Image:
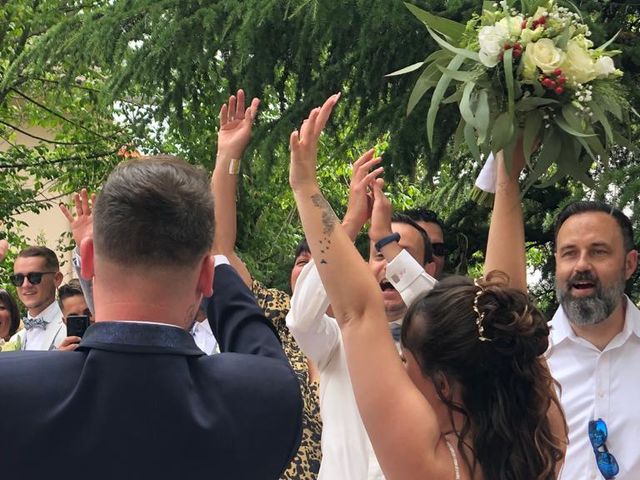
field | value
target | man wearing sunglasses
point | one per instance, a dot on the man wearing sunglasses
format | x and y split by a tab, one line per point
595	342
36	276
431	223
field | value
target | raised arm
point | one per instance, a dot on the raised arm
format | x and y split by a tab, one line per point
4	248
233	137
405	444
505	246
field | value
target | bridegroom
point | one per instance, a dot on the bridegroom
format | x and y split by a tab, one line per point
138	399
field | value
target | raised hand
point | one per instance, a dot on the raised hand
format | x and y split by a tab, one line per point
304	145
69	344
235	126
4	248
82	223
360	197
380	212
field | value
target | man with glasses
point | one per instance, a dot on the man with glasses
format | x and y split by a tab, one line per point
431	223
595	342
36	275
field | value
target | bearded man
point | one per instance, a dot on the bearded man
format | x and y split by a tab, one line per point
595	341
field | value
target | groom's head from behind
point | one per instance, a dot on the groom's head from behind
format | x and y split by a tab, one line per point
152	236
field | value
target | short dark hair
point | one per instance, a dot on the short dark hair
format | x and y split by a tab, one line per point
584	206
154	211
423	214
303	247
71	289
428	250
10	304
50	257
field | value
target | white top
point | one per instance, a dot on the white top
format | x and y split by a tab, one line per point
599	384
346	450
49	337
203	336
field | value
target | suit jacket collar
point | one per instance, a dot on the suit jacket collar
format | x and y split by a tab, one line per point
139	338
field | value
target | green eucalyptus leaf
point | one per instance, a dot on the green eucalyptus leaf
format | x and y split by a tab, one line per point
608	42
565	126
449	28
458	51
438	95
508	76
465	105
453	98
527	104
402	71
598	112
426	81
551	145
483	115
470	138
458	137
501	132
466	76
532	127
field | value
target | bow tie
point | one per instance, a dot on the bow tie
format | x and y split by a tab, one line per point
37	322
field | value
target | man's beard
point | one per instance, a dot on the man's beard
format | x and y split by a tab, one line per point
594	309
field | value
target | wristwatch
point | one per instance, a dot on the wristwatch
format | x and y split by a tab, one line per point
394	237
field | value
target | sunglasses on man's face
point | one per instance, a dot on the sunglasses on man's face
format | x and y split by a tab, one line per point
439	250
605	460
34	278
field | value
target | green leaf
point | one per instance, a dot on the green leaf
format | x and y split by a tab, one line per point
404	70
488	6
608	42
458	137
565	126
531	103
426	81
438	95
483	115
598	112
501	132
532	127
551	145
458	51
449	28
453	98
465	105
611	105
459	76
563	39
470	138
508	76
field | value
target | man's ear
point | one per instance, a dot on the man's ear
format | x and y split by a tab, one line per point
57	279
86	254
205	280
631	263
430	268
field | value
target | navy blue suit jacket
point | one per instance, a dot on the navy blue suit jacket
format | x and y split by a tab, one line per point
138	401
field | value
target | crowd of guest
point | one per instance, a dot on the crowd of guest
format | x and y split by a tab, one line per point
165	357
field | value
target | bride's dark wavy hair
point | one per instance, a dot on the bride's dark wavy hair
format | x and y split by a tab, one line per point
506	388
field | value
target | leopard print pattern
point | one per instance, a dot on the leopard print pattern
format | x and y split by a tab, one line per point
306	463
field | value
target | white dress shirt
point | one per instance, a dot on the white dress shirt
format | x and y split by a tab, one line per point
599	384
203	336
46	338
347	453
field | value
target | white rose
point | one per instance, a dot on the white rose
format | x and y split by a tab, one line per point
513	25
604	67
578	66
544	55
492	40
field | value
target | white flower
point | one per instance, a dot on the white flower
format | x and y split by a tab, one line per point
529	35
604	66
544	55
578	66
492	40
512	24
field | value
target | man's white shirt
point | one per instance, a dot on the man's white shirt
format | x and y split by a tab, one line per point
46	338
347	453
599	384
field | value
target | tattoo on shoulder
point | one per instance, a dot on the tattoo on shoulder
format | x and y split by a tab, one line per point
329	221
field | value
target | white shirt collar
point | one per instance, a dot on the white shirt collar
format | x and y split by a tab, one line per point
561	326
48	314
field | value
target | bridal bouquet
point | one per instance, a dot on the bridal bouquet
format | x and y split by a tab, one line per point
529	72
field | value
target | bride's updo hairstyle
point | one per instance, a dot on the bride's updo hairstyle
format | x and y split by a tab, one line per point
489	339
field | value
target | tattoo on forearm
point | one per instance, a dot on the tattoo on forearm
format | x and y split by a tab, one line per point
329	221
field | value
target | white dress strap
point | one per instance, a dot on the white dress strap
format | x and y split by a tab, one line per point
456	466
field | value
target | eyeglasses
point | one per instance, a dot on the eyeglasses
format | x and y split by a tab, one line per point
34	278
439	250
607	463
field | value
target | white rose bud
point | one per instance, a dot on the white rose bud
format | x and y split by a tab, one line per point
513	25
604	66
